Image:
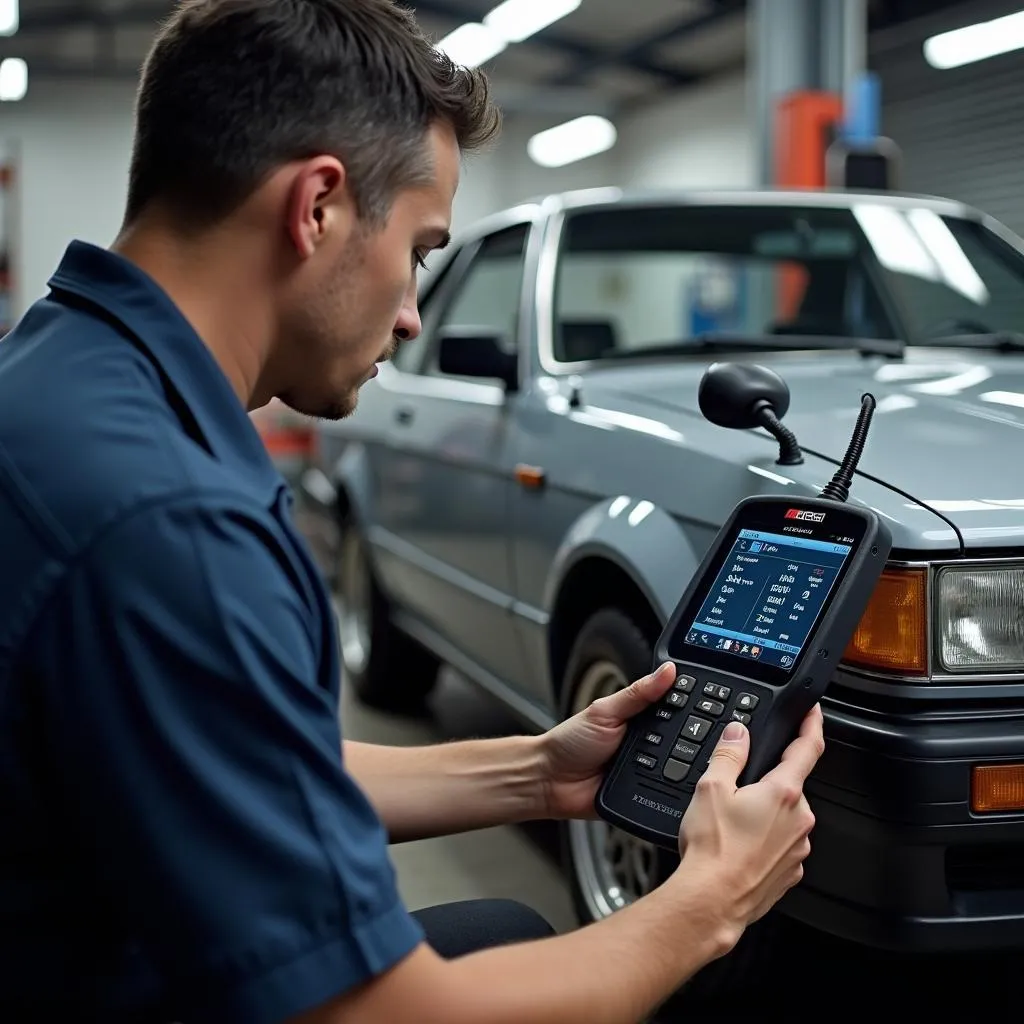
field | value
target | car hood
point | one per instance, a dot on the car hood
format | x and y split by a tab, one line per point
948	427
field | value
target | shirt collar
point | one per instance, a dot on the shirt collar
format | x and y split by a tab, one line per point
142	308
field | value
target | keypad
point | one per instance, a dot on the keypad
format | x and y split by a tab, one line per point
697	710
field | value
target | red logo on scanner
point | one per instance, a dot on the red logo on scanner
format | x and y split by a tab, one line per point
807	514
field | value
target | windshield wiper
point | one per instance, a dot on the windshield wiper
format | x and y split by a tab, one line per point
996	341
715	341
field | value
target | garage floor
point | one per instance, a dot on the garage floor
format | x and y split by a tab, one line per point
521	863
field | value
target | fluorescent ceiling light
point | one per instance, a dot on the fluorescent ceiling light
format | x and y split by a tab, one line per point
572	141
976	42
13	79
516	20
471	45
9	17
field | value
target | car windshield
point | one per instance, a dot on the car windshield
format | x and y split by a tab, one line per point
635	280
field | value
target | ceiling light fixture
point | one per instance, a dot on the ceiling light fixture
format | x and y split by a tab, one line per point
471	45
975	42
516	20
575	140
13	79
9	17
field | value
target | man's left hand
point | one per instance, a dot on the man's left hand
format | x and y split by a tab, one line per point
576	751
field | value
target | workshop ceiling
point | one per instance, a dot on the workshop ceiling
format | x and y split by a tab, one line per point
606	56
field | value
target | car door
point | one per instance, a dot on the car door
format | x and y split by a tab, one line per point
446	478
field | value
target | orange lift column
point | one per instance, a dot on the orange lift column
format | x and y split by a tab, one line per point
805	125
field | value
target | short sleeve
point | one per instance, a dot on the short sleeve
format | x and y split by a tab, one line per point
202	767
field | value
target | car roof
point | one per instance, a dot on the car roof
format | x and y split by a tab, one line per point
827	198
553	203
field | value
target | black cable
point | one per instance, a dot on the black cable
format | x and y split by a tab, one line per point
838	488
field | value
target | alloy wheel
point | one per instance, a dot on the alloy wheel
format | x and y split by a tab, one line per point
354	596
612	867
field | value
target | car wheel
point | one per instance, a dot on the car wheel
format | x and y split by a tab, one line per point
386	668
607	868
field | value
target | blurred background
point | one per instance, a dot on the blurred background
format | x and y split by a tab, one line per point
688	87
916	95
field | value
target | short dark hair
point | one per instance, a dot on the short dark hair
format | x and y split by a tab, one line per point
233	89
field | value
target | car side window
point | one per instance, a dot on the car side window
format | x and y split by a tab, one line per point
488	295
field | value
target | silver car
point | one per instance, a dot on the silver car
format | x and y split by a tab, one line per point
525	492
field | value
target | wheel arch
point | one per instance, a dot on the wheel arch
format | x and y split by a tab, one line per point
631	556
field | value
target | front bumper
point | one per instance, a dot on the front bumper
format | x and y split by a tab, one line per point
899	861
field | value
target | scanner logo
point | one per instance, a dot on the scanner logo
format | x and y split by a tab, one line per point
657	805
807	514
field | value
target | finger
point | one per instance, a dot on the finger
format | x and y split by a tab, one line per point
730	754
641	693
800	757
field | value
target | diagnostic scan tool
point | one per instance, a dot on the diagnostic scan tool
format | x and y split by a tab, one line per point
760	629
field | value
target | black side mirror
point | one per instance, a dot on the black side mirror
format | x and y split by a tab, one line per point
743	395
477	352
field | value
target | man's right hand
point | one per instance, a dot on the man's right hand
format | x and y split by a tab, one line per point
752	840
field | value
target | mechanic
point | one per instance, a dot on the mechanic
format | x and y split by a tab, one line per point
186	838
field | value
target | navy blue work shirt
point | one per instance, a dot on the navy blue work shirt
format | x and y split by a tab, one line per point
179	840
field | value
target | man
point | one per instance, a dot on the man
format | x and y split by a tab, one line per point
184	839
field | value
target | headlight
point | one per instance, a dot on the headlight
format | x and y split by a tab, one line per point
979	617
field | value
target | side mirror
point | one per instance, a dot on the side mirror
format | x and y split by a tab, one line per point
743	395
477	352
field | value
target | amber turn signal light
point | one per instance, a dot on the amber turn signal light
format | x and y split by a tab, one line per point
997	787
892	635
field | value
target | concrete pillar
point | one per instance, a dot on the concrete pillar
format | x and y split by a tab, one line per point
800	44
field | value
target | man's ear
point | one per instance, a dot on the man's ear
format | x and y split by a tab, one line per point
319	204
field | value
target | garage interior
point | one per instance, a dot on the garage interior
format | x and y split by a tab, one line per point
672	95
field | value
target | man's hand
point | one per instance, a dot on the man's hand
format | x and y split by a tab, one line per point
756	835
577	750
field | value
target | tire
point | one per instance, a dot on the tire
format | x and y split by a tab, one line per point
387	669
607	869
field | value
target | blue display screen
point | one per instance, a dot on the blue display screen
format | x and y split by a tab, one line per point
767	597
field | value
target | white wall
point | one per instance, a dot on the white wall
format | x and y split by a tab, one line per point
74	145
75	142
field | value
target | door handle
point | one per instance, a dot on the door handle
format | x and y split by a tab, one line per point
404	415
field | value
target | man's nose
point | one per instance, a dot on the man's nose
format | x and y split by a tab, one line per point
408	324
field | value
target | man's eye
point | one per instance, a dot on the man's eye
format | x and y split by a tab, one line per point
420	259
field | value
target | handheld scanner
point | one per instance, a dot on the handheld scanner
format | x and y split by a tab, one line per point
756	639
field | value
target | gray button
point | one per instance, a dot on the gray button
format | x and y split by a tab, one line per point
685	751
675	771
746	702
685	683
696	728
646	760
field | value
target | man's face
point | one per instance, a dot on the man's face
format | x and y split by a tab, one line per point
357	301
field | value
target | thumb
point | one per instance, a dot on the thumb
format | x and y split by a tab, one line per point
730	753
641	693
